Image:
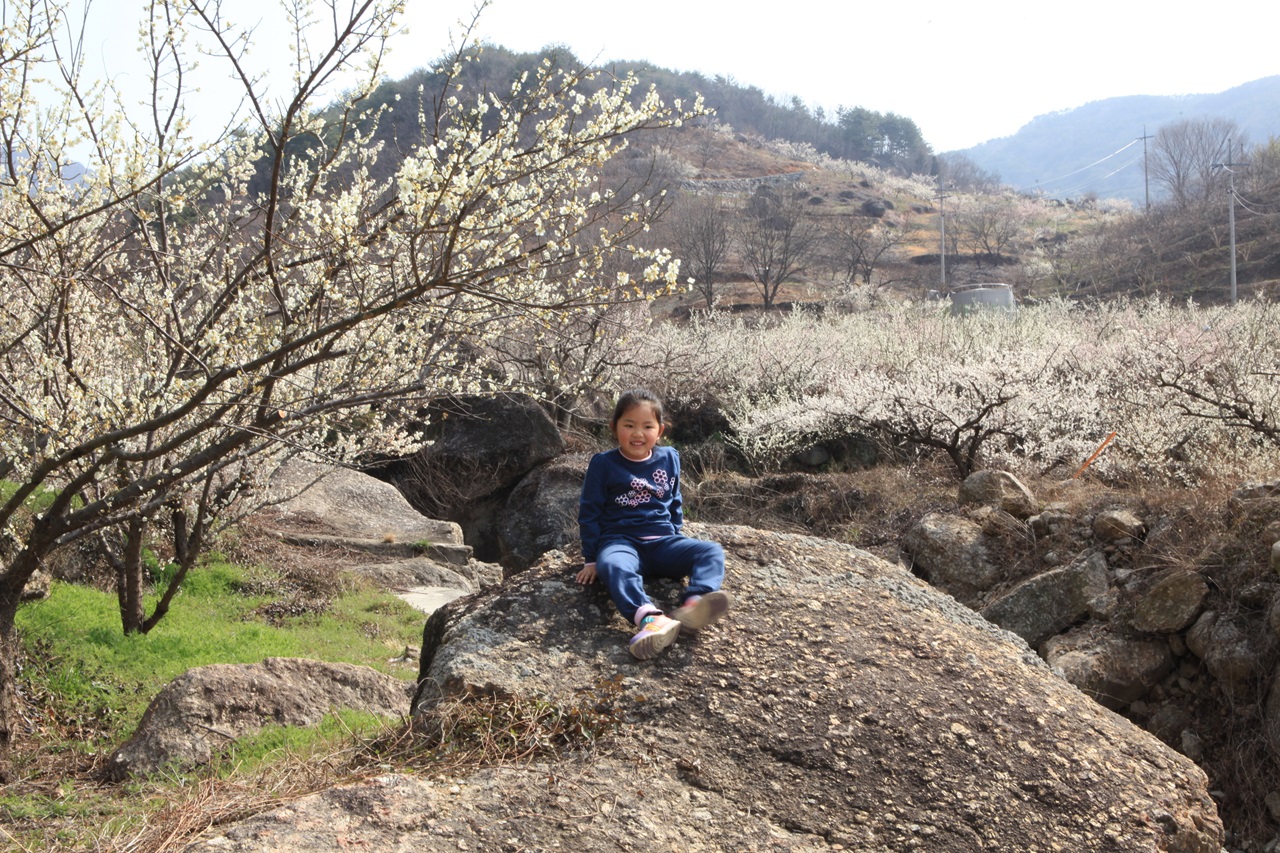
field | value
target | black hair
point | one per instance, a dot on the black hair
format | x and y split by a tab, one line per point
635	397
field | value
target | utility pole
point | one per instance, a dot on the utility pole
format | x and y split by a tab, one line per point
1146	179
942	228
1231	213
1231	220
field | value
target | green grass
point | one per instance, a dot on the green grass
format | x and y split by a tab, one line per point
274	744
87	661
37	502
91	684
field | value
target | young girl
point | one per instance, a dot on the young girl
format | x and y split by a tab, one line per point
630	517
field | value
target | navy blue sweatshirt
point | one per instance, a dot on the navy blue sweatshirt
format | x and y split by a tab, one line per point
637	499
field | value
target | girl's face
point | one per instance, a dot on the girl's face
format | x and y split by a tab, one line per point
637	431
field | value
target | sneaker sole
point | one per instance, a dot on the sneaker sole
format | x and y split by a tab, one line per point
653	642
708	609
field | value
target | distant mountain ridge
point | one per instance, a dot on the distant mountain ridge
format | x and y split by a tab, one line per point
1097	148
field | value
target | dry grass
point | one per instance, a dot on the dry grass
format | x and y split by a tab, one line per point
163	813
484	730
872	508
167	812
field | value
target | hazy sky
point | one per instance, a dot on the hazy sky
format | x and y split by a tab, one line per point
965	72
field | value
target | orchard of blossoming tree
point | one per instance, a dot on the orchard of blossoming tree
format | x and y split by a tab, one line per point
1189	392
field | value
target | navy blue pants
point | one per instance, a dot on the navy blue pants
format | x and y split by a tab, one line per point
624	563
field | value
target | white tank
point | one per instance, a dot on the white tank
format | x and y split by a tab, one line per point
972	297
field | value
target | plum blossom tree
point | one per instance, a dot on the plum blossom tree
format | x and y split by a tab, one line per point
187	306
1223	372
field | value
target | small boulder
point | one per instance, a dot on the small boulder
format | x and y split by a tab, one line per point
37	587
1257	491
1231	650
420	571
1271	532
201	711
1054	520
1171	604
952	553
1118	526
1114	670
998	489
1256	501
814	456
1050	602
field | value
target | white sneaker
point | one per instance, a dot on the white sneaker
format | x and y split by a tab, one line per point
656	633
699	611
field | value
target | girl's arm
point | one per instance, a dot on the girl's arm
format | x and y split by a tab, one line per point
677	500
590	507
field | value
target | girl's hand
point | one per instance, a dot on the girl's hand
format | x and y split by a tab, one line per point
587	574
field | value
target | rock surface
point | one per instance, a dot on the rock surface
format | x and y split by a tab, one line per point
199	713
353	506
999	489
1113	670
1171	604
1048	603
339	510
1118	525
541	513
842	704
481	447
952	553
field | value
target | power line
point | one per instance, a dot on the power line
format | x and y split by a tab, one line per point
1240	200
1118	169
1091	165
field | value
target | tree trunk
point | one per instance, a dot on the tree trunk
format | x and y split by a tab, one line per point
129	579
12	582
8	690
188	543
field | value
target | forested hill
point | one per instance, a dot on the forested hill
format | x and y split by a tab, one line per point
1096	149
888	140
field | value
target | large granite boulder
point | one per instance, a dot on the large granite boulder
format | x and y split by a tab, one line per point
842	704
480	448
541	513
